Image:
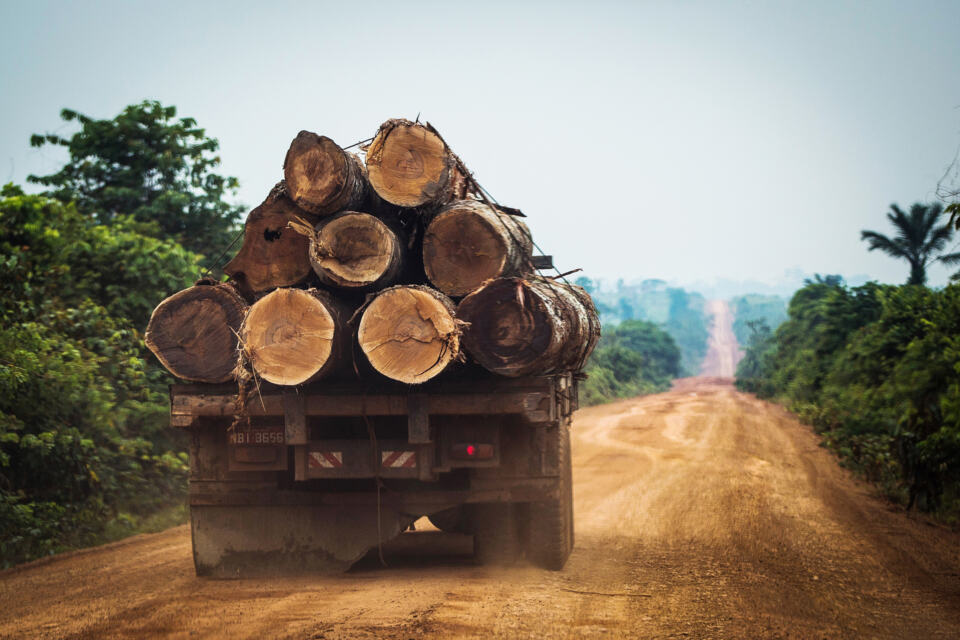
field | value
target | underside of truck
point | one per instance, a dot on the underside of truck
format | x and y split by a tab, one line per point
311	478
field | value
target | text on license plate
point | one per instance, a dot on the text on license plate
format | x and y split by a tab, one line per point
259	436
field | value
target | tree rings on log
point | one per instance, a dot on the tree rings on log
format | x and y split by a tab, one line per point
356	251
321	177
295	336
468	242
272	255
517	327
409	165
409	334
194	332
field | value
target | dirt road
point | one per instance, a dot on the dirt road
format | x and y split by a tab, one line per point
700	513
723	352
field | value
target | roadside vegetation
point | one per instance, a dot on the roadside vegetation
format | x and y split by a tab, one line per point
85	452
876	369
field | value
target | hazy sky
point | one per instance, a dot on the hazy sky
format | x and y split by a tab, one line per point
687	141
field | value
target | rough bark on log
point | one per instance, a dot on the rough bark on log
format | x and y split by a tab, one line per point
193	332
295	336
411	166
409	333
518	327
356	252
272	255
321	177
468	242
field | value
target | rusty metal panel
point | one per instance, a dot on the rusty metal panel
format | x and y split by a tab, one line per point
294	418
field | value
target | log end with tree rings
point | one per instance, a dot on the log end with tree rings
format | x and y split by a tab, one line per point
295	336
517	327
194	332
272	255
409	333
409	165
468	242
356	251
321	177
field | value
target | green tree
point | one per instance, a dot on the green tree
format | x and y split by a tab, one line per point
919	239
147	164
84	442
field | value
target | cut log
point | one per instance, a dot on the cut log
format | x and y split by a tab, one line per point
272	255
518	327
468	242
321	177
194	332
409	334
410	165
356	252
295	336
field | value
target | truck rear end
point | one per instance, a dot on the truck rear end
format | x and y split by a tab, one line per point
313	477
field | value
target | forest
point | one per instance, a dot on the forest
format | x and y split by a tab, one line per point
86	455
876	368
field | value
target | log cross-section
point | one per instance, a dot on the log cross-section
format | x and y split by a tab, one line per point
469	242
323	178
411	166
194	332
356	252
272	255
292	336
409	334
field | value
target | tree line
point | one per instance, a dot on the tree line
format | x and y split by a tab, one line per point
876	369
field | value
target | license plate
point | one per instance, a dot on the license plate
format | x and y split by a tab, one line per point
260	436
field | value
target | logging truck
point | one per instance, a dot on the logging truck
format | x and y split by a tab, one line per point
316	476
385	348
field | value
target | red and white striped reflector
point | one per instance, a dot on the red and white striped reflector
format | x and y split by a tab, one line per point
326	459
398	459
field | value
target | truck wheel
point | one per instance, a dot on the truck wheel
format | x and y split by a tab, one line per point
452	520
549	524
496	536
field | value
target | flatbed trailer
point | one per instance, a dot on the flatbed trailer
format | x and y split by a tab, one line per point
313	477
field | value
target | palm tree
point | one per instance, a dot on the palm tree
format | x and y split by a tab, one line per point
918	240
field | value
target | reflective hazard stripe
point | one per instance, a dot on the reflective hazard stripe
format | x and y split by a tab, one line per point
326	459
398	459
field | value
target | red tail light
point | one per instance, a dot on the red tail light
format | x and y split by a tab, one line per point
471	451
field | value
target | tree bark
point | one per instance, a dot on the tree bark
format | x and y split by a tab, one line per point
321	177
295	336
468	242
272	255
409	333
356	252
518	327
193	332
409	165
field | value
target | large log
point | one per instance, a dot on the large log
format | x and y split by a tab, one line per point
295	336
409	333
468	242
323	178
194	332
272	255
518	327
409	165
356	252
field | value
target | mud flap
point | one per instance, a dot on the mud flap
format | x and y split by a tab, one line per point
249	541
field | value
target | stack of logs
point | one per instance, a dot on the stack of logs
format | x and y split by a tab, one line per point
399	257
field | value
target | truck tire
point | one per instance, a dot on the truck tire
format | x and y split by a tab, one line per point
549	524
496	535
